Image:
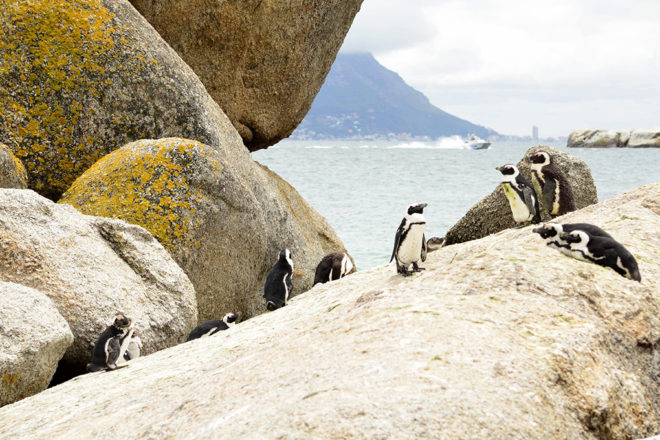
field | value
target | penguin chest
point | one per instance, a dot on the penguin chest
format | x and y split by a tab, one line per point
518	207
410	248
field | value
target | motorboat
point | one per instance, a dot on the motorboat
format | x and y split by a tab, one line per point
476	143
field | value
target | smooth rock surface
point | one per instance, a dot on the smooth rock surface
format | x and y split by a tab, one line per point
92	268
614	139
12	171
493	213
500	338
223	218
33	339
262	61
81	78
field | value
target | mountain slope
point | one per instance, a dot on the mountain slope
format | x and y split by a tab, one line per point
361	98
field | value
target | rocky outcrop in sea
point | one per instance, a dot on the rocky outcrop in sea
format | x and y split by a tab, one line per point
614	139
499	338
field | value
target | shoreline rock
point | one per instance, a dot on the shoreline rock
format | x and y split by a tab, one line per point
500	337
614	139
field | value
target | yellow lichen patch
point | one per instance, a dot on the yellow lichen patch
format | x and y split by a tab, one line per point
145	183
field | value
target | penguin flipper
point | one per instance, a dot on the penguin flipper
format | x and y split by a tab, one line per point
113	352
530	201
424	248
397	238
549	188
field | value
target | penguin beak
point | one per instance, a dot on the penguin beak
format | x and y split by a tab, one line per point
538	230
565	236
499	169
424	205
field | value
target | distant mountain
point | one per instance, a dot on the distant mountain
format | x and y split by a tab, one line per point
363	99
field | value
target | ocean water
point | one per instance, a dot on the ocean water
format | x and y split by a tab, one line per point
363	188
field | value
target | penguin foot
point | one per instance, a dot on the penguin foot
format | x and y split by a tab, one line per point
403	271
416	268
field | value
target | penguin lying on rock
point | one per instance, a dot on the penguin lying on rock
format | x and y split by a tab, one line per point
332	267
409	241
520	194
278	285
208	328
551	232
434	243
113	344
604	251
555	190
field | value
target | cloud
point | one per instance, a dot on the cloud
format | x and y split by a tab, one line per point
495	62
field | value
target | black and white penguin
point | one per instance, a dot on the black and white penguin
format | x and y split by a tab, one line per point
552	185
107	350
604	251
332	267
434	243
409	241
278	285
208	328
551	232
133	347
520	194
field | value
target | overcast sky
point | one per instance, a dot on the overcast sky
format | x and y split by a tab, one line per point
511	64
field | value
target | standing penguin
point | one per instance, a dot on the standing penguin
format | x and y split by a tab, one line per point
551	233
134	346
554	188
107	349
208	328
604	251
520	194
278	285
332	267
409	241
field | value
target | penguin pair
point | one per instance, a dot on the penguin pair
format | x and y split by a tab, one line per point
116	345
552	185
520	194
332	267
279	285
208	328
409	242
590	243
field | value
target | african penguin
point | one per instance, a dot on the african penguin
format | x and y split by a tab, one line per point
520	194
134	347
434	243
208	328
409	241
550	232
278	285
553	185
604	251
332	267
107	349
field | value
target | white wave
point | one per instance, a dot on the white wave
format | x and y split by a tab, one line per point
318	147
447	143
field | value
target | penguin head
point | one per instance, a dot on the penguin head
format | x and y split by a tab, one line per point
548	230
230	319
285	258
416	208
122	321
434	243
575	237
540	159
509	172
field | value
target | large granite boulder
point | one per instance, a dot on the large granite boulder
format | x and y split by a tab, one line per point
493	213
81	78
222	217
33	339
262	61
614	139
92	268
12	171
499	338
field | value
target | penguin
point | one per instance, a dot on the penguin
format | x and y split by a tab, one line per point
278	285
208	328
551	232
134	347
107	350
409	242
520	194
332	267
434	243
552	185
604	251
